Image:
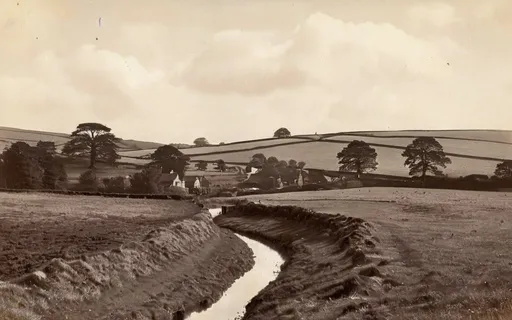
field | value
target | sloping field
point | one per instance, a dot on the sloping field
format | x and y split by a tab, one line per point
485	149
447	253
485	135
322	155
243	145
471	151
11	135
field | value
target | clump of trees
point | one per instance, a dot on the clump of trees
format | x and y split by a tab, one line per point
202	165
221	165
504	170
201	142
169	158
32	167
282	133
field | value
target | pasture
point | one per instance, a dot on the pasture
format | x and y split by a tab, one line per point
471	152
449	250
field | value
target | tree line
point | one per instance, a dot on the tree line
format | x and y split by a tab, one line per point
41	167
424	156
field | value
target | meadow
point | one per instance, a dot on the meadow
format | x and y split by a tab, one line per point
471	152
448	251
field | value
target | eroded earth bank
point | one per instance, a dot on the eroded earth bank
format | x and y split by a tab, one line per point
165	264
332	268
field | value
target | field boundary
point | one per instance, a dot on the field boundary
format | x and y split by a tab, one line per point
457	155
101	194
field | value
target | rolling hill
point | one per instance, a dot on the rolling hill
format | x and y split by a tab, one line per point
10	135
471	151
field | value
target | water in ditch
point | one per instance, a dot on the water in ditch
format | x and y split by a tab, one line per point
232	304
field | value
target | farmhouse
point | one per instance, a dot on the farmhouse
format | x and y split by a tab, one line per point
196	182
171	179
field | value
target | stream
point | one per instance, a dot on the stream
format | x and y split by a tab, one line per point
232	304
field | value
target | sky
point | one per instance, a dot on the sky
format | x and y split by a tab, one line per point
171	71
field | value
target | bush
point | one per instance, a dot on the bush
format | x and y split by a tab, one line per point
88	181
146	181
114	185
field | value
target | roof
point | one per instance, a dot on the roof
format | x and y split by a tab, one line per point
168	177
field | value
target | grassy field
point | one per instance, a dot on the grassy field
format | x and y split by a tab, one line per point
10	135
449	249
471	151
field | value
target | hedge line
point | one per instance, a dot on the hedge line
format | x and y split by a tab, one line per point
102	194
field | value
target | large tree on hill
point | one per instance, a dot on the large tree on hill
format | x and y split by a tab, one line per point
425	155
95	141
504	170
169	158
282	133
358	156
201	142
301	165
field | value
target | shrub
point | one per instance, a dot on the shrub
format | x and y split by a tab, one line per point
88	181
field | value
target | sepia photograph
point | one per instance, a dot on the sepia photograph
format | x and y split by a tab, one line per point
255	160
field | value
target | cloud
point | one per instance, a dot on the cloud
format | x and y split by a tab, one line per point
438	14
154	80
318	52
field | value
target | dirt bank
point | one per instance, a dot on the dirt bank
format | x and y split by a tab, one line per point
332	266
179	266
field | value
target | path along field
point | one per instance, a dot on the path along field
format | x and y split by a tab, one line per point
94	258
450	250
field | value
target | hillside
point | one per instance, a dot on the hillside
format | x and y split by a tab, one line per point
471	151
10	135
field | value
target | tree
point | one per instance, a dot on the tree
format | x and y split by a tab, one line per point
221	165
272	161
282	164
88	180
54	172
146	181
94	140
47	147
292	164
424	155
358	156
282	133
201	142
222	143
21	167
504	170
258	160
301	165
169	158
202	165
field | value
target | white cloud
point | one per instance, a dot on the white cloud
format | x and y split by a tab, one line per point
438	14
155	82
